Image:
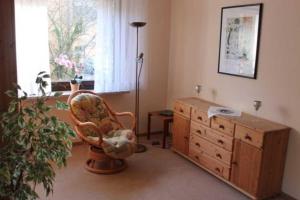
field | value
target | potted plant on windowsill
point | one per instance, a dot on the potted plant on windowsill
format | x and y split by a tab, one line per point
75	83
33	142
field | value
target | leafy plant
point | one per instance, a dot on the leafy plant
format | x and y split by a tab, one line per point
77	79
33	143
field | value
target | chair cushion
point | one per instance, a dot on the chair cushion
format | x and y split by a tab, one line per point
91	108
119	144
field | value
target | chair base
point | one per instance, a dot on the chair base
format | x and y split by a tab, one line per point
99	163
140	148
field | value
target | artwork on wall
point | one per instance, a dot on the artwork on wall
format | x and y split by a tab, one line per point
239	40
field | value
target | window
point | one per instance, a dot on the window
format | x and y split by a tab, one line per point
72	41
74	37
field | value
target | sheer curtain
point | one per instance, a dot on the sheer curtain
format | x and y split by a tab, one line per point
115	56
115	44
31	21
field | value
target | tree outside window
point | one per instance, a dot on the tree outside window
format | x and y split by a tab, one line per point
72	39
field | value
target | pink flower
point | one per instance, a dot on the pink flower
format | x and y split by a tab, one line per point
79	69
63	60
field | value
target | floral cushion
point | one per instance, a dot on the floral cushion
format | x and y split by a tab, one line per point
119	144
91	108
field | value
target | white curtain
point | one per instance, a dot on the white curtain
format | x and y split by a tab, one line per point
115	44
31	42
115	54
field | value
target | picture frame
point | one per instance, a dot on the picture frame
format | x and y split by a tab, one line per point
239	40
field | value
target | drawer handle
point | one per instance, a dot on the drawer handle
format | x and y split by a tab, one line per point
219	156
198	131
200	118
186	137
222	127
181	110
247	137
221	141
218	169
197	157
197	144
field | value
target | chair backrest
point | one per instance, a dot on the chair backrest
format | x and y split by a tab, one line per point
88	107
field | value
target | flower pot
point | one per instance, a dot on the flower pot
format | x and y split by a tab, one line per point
74	87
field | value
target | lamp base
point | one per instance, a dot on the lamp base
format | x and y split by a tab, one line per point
140	148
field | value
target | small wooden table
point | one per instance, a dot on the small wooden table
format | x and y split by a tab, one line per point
166	123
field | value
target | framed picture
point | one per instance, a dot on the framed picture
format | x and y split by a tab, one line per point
239	40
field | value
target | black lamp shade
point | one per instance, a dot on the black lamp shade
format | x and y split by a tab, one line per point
138	24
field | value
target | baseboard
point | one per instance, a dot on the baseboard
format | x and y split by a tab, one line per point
286	196
152	133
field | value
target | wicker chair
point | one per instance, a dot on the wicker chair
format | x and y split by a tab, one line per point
97	125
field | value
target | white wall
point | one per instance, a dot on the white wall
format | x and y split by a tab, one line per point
194	46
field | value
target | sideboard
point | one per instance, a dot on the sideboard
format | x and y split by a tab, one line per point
246	152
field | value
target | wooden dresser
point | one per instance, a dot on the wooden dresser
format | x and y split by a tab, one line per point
246	152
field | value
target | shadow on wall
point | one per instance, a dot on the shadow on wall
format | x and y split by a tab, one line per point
284	113
292	172
214	94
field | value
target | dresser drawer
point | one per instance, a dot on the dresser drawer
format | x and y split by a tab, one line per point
223	125
218	138
182	109
211	149
209	163
249	136
197	129
200	117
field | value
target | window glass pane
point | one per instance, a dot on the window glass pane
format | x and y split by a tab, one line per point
72	30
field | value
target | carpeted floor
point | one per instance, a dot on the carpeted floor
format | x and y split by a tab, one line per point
155	175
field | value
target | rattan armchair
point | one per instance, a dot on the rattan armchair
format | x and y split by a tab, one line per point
99	126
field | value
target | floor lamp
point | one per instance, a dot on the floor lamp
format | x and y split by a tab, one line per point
139	64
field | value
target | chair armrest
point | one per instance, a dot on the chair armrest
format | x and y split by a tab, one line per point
133	120
84	137
92	124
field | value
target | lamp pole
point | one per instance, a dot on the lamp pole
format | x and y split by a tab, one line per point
139	60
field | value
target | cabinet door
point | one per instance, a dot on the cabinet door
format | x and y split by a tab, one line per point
246	167
181	132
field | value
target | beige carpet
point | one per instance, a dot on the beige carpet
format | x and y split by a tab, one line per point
155	175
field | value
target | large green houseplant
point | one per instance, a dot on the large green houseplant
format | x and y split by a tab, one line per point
33	143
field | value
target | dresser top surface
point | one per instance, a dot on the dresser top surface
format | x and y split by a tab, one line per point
247	120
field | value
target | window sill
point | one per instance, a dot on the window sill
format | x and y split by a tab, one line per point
67	93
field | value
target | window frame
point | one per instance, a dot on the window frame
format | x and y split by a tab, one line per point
59	86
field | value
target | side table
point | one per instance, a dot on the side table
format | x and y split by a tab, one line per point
166	123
